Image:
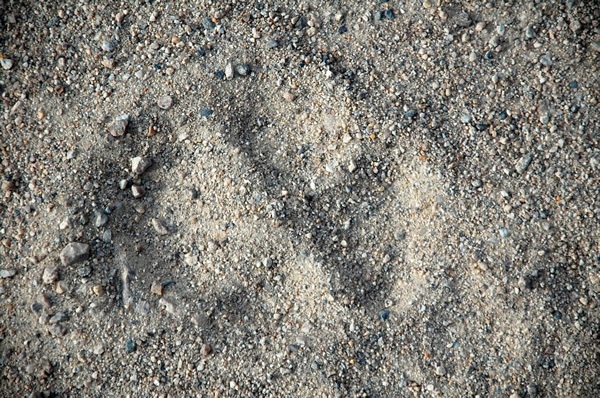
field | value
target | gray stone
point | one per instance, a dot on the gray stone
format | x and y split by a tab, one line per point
523	163
165	102
118	127
100	219
7	273
140	164
159	226
50	274
243	69
137	191
74	252
6	63
546	60
57	318
229	71
108	45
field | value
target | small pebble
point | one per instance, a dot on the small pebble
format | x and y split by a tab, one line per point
98	290
107	46
206	112
130	345
504	233
100	219
165	102
74	252
137	191
546	60
205	350
85	271
208	24
57	318
159	226
465	118
50	274
157	288
440	371
6	63
229	71
7	273
523	163
243	69
8	186
118	127
140	164
98	349
384	315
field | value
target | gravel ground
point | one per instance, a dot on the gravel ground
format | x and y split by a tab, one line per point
313	199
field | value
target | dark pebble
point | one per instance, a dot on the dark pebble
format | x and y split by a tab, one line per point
574	84
220	74
410	114
301	23
503	115
389	14
384	315
489	55
36	307
130	345
200	51
481	126
557	315
208	24
342	29
206	112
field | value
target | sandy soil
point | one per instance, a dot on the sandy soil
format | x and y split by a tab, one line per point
310	199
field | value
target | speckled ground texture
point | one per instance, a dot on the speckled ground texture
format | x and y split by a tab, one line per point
304	199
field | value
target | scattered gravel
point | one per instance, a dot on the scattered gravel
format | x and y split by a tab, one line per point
340	199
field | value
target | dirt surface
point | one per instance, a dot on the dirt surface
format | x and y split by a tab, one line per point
338	199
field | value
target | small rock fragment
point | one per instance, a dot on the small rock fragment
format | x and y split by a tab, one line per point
107	45
546	60
159	226
57	330
99	349
190	259
57	318
157	288
165	102
8	186
118	127
243	69
206	112
74	252
229	71
7	273
289	96
98	290
50	274
6	63
523	163
100	219
169	306
130	345
140	164
205	350
137	191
